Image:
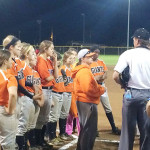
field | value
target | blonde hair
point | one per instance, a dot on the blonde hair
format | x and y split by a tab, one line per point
7	40
67	54
26	47
71	49
44	45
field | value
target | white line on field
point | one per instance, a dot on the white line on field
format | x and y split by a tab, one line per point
108	141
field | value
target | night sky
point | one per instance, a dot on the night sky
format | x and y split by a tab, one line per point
105	20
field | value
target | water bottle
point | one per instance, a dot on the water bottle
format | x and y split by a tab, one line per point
128	94
148	99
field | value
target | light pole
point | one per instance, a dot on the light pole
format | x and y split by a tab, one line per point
83	15
128	28
39	23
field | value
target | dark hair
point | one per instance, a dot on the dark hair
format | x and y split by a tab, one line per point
79	63
4	55
144	43
93	48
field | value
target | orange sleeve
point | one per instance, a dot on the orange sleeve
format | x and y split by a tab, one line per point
105	67
88	84
12	82
43	70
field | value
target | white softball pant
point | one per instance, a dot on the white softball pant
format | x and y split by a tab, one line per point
27	115
56	109
8	126
43	117
66	105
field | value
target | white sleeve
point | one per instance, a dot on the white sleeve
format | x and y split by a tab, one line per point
122	63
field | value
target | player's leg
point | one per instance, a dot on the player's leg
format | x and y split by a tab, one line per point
88	122
25	115
7	130
108	110
32	124
63	116
53	118
43	119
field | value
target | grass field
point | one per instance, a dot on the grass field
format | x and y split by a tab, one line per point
110	60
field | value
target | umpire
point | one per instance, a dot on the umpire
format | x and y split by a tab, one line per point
137	91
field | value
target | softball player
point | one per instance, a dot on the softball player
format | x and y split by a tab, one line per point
88	94
73	119
38	103
57	98
48	71
67	62
8	98
28	106
138	91
98	67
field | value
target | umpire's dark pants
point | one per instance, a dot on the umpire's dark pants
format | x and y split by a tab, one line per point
88	125
146	143
133	112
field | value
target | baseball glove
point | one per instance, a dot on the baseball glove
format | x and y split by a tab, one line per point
124	77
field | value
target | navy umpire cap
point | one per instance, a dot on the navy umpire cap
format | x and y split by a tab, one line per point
141	33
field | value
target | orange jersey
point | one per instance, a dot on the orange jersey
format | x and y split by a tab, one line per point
98	67
28	75
85	86
37	80
59	83
69	87
45	69
17	70
6	80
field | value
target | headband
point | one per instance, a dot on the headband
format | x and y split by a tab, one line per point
13	41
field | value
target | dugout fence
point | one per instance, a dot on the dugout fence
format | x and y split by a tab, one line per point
105	50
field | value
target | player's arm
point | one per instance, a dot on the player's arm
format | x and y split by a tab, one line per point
105	75
41	101
12	91
55	65
50	78
116	77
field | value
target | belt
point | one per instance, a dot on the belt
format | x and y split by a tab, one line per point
68	92
57	92
48	87
129	88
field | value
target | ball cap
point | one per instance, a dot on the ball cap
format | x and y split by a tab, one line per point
84	52
141	33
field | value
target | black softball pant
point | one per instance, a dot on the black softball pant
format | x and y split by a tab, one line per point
87	113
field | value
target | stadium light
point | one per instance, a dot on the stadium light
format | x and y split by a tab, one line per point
128	28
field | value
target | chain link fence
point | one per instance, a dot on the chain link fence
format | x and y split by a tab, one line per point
105	50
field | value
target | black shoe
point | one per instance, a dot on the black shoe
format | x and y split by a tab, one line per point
66	137
116	131
46	146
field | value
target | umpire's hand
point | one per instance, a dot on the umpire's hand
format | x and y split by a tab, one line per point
148	108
